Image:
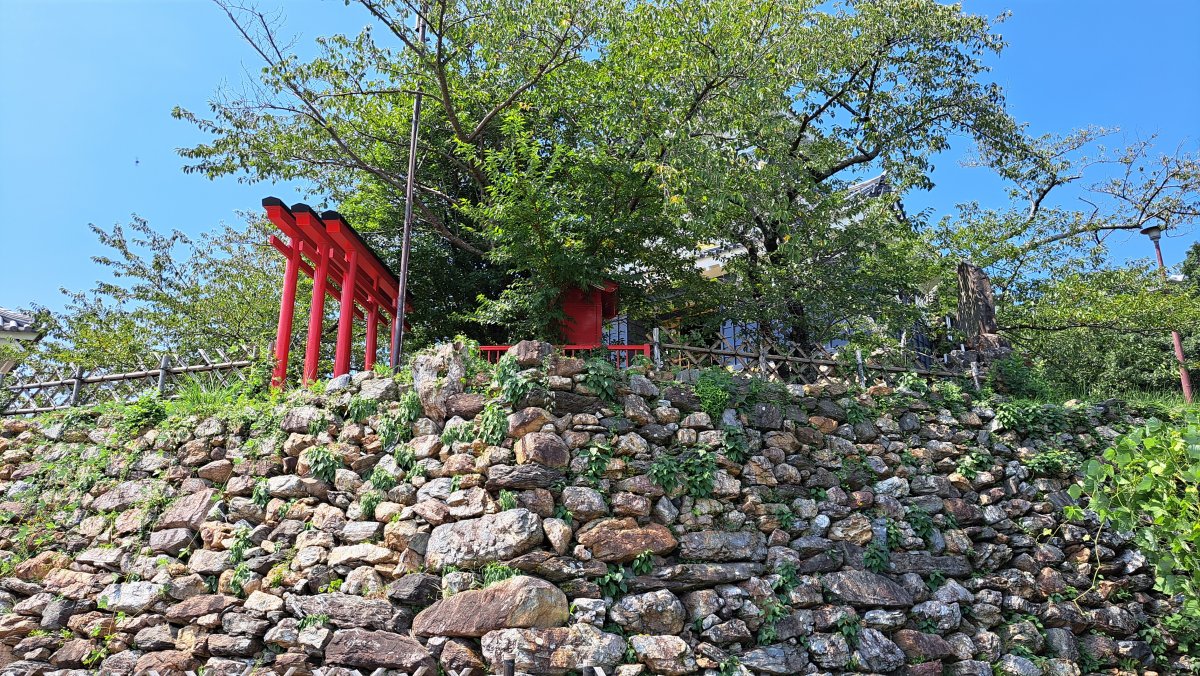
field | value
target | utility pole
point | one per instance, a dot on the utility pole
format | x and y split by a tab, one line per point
410	184
1185	381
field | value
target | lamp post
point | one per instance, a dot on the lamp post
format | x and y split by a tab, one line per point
1154	232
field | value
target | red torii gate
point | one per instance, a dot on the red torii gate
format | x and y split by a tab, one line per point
342	265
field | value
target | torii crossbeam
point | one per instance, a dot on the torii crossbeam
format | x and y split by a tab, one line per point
342	265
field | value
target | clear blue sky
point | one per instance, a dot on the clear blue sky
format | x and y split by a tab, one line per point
87	88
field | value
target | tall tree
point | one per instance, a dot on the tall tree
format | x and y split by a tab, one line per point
572	141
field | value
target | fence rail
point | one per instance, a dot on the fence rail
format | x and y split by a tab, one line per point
795	365
30	393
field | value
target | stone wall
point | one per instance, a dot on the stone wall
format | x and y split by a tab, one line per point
813	531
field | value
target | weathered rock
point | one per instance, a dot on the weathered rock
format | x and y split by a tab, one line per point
865	589
723	546
522	477
131	598
188	511
195	607
877	653
778	660
527	420
584	503
437	377
124	495
489	538
658	612
379	389
378	650
301	419
518	602
166	662
416	589
554	651
688	576
669	655
343	610
542	448
622	540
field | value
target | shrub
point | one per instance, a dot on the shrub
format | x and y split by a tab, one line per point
713	387
395	427
1014	375
368	502
615	582
601	378
734	444
1148	483
595	461
359	409
1054	462
507	500
382	479
507	377
463	432
144	412
493	572
876	557
323	463
493	425
665	472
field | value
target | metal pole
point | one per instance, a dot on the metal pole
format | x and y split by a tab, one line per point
406	241
162	376
1185	380
77	378
508	667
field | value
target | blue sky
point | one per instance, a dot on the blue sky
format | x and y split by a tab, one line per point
86	134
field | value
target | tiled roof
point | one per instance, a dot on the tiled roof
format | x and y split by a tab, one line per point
12	321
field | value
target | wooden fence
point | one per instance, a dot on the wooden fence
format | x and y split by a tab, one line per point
26	391
792	364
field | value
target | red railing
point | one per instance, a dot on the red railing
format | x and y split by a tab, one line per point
621	355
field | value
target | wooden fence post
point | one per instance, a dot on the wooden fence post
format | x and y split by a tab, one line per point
862	375
162	376
658	362
75	386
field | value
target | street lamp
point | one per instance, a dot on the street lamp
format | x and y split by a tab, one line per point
1154	232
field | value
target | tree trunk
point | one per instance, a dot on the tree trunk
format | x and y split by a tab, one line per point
976	307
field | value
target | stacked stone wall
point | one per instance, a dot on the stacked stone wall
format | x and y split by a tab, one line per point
813	530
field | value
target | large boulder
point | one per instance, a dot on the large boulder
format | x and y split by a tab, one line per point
378	650
715	545
668	655
554	651
622	540
125	495
657	612
542	448
437	376
131	598
343	610
518	602
489	538
188	511
864	589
